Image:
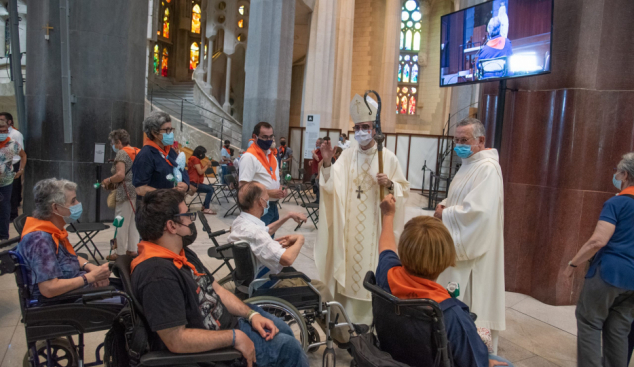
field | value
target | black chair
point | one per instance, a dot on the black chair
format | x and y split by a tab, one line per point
18	223
224	256
165	358
411	330
220	189
232	185
492	68
311	208
89	231
50	323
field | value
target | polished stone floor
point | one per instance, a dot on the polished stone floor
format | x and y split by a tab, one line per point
537	335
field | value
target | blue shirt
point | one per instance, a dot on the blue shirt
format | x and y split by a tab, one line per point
467	348
224	154
616	259
42	263
150	168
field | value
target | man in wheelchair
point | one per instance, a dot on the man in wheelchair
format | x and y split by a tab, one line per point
425	250
189	312
273	255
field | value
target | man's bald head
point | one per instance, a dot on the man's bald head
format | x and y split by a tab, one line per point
249	195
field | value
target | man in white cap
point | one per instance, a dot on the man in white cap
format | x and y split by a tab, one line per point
349	213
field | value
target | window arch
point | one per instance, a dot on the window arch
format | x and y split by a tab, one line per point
164	62
194	55
407	77
196	13
165	19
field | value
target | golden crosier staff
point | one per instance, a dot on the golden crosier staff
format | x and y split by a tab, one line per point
378	137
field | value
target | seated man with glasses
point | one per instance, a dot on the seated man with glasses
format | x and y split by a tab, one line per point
188	311
349	209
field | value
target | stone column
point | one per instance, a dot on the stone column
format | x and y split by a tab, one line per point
320	63
389	64
108	70
343	66
210	57
227	106
268	66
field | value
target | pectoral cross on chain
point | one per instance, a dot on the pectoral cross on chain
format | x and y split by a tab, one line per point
359	192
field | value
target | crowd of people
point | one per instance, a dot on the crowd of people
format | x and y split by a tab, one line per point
187	311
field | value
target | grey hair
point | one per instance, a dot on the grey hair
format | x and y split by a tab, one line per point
48	192
152	124
478	127
627	165
494	27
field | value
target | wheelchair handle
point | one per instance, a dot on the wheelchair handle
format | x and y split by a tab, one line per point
220	232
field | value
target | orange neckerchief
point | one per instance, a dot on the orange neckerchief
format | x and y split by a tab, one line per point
274	151
4	143
148	250
406	286
165	151
131	151
271	165
34	225
282	150
497	43
228	151
628	191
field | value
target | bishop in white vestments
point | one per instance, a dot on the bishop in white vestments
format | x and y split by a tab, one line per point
349	213
474	214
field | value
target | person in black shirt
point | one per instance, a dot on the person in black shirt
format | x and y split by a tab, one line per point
186	309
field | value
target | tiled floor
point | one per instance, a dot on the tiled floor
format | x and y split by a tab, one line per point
537	335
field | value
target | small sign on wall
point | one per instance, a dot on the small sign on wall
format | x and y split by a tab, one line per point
311	134
100	152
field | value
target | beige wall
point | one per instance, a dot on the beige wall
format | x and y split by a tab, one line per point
297	88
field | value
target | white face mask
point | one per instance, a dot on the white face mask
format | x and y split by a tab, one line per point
363	137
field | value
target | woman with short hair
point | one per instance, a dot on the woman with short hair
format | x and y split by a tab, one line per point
605	309
53	267
125	196
196	170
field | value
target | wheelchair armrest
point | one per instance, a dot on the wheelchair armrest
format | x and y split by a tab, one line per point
220	232
165	358
289	275
85	294
214	252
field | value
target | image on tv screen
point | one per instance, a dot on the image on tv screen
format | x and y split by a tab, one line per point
496	40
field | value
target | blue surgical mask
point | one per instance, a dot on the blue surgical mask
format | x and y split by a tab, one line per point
264	144
463	150
3	137
617	183
168	139
266	210
114	149
75	213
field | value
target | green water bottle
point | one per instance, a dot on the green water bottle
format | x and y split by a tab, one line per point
96	185
454	289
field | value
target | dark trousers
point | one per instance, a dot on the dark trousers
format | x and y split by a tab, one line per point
5	211
16	193
205	189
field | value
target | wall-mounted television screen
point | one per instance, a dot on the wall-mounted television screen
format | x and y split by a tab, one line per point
496	40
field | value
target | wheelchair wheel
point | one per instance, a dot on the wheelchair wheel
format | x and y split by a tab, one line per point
227	283
62	353
285	311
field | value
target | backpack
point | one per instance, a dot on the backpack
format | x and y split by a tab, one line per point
366	353
126	341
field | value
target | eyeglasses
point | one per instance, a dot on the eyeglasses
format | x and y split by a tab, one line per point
364	127
461	141
191	216
266	137
168	130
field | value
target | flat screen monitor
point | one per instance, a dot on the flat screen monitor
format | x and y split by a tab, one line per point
496	40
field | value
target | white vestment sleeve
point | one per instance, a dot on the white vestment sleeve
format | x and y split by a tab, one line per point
472	222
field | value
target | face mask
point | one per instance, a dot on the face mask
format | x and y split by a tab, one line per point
114	149
227	146
463	150
168	139
282	143
617	183
191	238
341	139
363	137
266	210
264	144
75	213
3	137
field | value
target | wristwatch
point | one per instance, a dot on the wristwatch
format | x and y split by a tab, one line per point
571	264
251	314
391	186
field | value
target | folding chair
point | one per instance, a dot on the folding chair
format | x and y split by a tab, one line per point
196	197
225	256
311	208
219	188
89	231
232	185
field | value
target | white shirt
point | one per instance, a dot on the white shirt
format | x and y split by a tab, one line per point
345	145
252	230
16	136
252	170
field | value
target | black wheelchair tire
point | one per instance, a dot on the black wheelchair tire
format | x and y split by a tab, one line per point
57	344
227	283
272	304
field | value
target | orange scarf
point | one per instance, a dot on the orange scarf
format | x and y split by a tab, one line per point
148	250
497	43
274	151
406	286
282	150
628	191
34	225
4	143
165	150
131	151
228	151
271	165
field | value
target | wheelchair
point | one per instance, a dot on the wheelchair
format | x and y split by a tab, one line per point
300	307
51	323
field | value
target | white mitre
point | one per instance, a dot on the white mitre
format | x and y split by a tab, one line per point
359	111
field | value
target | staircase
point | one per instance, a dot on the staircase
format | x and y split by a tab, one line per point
169	98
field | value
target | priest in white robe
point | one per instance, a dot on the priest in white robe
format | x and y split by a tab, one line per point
349	213
474	214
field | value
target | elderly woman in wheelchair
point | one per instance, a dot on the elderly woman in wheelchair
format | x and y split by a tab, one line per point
425	250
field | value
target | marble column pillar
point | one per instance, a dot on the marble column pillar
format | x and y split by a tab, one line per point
343	66
108	71
389	64
210	56
268	66
227	105
320	63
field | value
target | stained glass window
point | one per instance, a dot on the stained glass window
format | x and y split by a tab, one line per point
166	23
164	61
241	23
408	69
156	58
242	10
196	18
194	55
